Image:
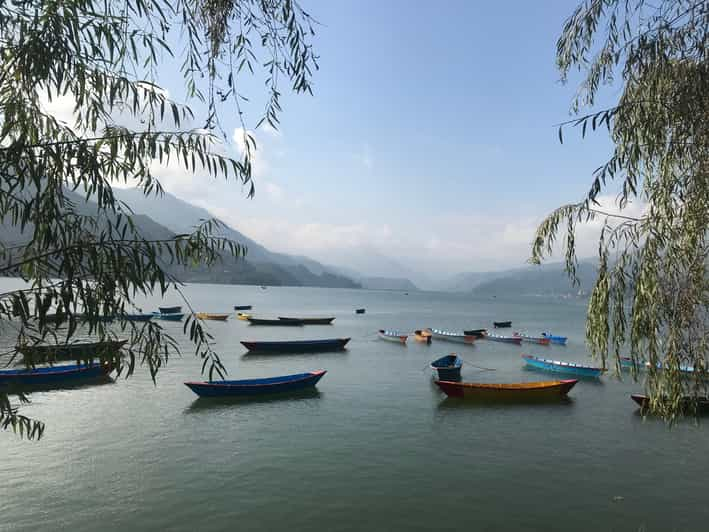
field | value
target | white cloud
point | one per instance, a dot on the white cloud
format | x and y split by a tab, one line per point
259	164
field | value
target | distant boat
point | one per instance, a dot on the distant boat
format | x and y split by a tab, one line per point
423	336
563	367
478	333
554	339
249	387
298	346
688	403
170	310
521	391
213	317
393	336
173	316
242	307
75	351
243	317
626	364
263	288
138	317
504	339
282	323
448	367
360	311
533	339
502	324
449	336
53	374
311	321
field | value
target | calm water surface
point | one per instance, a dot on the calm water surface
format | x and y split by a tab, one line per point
376	448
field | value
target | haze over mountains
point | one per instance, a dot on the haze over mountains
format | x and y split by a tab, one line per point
164	216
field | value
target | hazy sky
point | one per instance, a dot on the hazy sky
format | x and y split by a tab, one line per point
430	139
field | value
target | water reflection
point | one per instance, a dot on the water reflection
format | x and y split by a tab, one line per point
219	403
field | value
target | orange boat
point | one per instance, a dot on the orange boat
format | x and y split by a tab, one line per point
514	391
208	316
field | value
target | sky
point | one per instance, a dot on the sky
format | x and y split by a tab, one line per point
429	145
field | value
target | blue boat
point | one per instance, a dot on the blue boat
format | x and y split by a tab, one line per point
554	339
558	366
448	367
174	316
250	387
53	374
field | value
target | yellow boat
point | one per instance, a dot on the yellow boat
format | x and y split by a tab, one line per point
215	317
519	391
242	316
422	336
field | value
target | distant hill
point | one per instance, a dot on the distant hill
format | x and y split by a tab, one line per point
387	283
548	279
162	218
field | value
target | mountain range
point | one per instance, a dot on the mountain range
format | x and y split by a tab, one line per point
161	217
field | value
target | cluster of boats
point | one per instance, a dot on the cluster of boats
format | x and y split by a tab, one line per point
446	368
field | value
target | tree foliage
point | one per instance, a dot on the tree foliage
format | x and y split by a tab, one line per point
652	293
84	260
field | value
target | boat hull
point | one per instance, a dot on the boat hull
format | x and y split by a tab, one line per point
170	310
390	336
212	317
502	339
252	387
558	366
175	316
242	307
517	392
539	340
360	311
138	317
298	346
558	340
279	323
311	321
452	337
54	375
689	403
502	324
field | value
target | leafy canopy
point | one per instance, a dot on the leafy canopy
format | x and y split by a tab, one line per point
83	260
652	294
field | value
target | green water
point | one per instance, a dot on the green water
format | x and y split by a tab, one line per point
376	448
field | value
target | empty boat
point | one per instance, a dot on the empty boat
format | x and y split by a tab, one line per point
440	334
281	323
393	336
532	339
54	375
503	339
520	391
559	366
502	324
554	339
448	367
311	321
297	346
248	387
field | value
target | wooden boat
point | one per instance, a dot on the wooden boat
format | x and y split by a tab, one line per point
532	339
700	404
449	336
422	336
283	323
170	310
502	324
311	321
558	366
554	339
514	391
75	351
213	317
242	307
448	367
360	311
243	317
53	374
393	336
297	346
503	339
138	317
248	387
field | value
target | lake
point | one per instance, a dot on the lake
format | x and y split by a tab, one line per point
377	447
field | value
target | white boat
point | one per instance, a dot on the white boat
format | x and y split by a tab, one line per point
459	337
393	336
